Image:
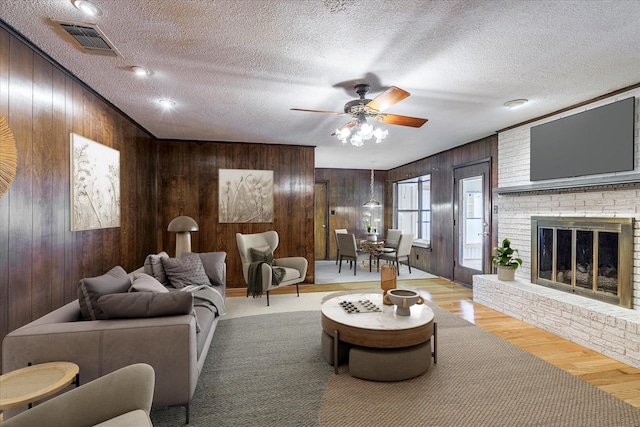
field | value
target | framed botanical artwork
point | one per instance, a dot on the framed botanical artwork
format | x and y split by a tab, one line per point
245	195
95	185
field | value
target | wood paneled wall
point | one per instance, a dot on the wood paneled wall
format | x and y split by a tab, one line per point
439	259
188	185
348	190
41	260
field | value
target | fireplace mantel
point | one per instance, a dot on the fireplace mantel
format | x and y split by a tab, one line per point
579	184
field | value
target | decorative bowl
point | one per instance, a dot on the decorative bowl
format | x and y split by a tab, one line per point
403	299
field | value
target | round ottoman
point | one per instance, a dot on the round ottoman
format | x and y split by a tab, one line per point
389	364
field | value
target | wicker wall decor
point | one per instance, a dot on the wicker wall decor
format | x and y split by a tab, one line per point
8	157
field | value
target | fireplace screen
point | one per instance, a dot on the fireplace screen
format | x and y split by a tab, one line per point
587	256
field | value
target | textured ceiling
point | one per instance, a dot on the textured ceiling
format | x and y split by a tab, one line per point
234	68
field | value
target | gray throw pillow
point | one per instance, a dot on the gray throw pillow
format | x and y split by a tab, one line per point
184	271
90	289
146	304
144	283
153	267
262	253
213	263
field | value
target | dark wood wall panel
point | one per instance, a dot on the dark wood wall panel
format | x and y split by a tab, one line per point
188	185
41	260
348	190
439	259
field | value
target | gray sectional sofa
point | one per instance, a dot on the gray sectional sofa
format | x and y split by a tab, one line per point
171	344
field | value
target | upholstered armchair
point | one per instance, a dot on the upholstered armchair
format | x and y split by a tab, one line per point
349	251
402	252
260	247
120	398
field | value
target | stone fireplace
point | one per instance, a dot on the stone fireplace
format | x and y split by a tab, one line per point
591	257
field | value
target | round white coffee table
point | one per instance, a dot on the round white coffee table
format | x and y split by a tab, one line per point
379	337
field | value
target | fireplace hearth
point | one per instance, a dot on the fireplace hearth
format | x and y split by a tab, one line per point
592	257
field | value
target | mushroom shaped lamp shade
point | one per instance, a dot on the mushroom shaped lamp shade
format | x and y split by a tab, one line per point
182	226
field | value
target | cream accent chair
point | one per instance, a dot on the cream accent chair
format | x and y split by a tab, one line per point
336	232
403	251
391	239
349	251
118	399
295	267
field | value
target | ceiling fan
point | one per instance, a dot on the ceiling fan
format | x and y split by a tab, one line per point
362	109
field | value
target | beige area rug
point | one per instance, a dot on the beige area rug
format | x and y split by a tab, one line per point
326	272
267	370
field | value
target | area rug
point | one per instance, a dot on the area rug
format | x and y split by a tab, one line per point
326	272
267	370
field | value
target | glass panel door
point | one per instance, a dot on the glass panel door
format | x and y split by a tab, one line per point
471	222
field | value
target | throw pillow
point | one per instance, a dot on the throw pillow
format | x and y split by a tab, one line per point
153	267
146	304
262	253
90	289
213	263
184	271
145	283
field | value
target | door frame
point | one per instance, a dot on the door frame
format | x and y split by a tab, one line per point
326	219
465	274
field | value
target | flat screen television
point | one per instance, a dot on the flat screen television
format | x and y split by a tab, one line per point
593	142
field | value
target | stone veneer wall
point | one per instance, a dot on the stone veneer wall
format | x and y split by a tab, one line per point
608	329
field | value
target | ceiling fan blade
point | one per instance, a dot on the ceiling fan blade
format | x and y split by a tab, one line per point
386	99
394	119
345	126
317	111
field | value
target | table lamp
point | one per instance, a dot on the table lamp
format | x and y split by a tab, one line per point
182	226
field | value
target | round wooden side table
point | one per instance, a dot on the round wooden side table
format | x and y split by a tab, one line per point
33	383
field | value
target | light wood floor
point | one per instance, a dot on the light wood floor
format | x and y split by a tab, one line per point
612	376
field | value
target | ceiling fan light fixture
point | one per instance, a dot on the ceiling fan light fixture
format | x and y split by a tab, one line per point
357	135
87	7
515	103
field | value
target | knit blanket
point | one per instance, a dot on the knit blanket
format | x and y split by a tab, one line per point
254	279
206	296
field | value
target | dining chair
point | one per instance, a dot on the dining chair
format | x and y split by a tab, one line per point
391	239
403	251
349	251
335	233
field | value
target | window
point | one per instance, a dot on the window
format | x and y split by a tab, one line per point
412	208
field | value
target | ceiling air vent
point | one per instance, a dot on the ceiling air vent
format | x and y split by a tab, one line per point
90	38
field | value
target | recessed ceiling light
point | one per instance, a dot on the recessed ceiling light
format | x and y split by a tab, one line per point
140	71
87	7
516	103
167	103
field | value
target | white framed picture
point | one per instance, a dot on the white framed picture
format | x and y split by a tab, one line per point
95	185
246	195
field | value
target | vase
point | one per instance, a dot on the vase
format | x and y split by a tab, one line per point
507	274
403	299
372	237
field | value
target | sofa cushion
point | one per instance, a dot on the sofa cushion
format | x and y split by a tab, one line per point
184	271
146	304
144	283
90	289
153	267
262	253
213	263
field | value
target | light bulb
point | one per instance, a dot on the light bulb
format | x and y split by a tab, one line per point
87	7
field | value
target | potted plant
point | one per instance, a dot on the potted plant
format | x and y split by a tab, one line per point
506	261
